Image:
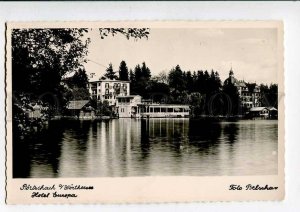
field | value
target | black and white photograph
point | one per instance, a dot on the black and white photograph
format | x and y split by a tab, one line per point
145	101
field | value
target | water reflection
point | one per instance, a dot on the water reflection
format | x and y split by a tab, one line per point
129	147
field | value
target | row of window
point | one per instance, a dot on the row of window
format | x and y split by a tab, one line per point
116	85
250	94
109	97
163	110
107	92
250	105
124	100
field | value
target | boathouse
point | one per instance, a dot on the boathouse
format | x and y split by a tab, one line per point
262	112
80	109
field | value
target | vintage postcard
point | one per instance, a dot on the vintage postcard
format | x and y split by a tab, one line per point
144	112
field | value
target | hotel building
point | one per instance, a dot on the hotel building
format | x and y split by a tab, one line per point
109	90
250	96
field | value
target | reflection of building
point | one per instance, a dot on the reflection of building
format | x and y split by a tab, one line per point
249	94
108	90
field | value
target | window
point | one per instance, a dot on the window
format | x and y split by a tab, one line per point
163	110
151	109
156	110
170	110
106	91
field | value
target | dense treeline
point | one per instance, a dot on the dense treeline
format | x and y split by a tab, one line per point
202	90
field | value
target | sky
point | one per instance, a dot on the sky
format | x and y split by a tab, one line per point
252	53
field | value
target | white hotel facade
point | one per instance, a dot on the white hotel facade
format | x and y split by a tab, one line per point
109	90
117	94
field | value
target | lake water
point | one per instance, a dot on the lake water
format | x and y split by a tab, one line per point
153	147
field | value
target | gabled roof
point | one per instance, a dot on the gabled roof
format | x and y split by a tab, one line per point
272	108
77	104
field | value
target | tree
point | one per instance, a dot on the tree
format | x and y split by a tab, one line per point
176	80
79	79
232	102
79	93
146	73
41	57
136	33
138	73
131	76
158	91
123	71
142	76
189	82
163	77
199	85
269	94
77	86
110	73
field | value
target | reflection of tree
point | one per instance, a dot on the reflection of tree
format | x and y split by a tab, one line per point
231	131
145	143
43	148
203	133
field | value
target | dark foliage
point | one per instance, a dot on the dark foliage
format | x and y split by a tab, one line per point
269	95
123	71
110	73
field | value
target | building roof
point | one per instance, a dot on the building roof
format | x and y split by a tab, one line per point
272	108
77	104
109	80
254	109
241	84
165	105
